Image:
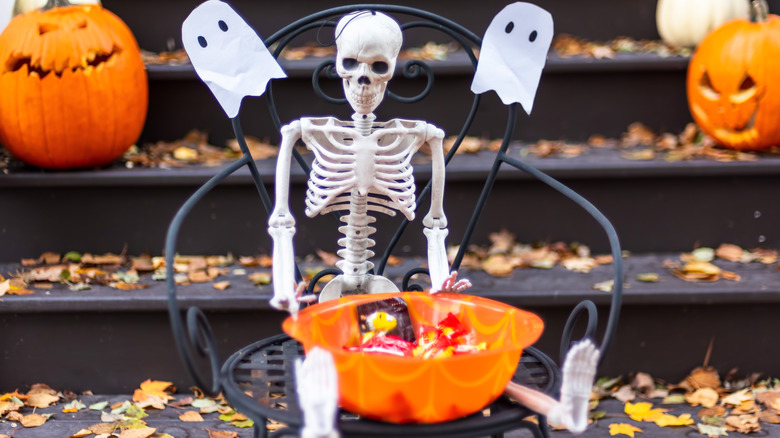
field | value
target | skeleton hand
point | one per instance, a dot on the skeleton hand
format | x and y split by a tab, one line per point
283	302
317	388
579	370
452	284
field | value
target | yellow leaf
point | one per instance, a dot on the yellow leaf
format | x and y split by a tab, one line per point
670	420
643	411
190	416
82	433
152	387
623	429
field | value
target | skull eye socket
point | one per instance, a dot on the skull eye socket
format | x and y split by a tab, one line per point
706	88
380	67
349	63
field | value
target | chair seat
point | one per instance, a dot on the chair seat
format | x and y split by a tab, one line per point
258	380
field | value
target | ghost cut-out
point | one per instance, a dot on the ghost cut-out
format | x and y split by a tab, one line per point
227	54
513	54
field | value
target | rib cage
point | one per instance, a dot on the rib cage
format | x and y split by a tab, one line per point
377	165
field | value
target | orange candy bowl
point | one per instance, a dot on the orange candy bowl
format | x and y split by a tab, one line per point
412	389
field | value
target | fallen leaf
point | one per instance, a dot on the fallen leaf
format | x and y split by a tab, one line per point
498	265
152	387
769	417
738	398
103	428
667	420
604	286
706	397
715	411
730	252
712	431
33	420
647	277
144	432
643	411
221	285
190	416
80	434
40	400
623	429
99	406
221	433
73	406
624	394
703	377
743	423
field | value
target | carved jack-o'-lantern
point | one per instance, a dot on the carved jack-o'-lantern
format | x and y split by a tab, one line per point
733	87
73	87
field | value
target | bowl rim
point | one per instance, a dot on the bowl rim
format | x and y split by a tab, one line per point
536	325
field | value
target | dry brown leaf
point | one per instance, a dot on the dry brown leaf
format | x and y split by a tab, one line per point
49	258
143	264
191	416
704	377
80	434
643	382
103	428
123	285
32	420
103	259
14	416
144	432
498	265
328	258
625	394
706	397
222	433
199	276
769	417
221	285
715	411
40	400
743	423
768	398
730	252
7	406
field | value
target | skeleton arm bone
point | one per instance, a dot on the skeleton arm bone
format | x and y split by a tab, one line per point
281	225
435	222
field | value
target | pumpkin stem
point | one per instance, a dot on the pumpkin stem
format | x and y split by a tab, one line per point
760	13
51	4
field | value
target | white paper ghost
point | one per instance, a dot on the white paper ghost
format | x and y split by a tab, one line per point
513	54
227	54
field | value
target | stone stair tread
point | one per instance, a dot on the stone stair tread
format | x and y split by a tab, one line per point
759	283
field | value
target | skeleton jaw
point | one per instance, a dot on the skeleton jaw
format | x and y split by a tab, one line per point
364	99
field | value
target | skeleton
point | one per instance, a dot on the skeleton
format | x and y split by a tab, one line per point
360	166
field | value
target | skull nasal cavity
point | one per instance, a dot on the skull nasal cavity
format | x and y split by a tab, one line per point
363	80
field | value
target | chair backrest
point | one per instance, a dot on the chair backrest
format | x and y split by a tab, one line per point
320	26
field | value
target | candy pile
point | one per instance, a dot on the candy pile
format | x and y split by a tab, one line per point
449	337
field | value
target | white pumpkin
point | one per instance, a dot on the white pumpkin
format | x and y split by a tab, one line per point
685	22
23	6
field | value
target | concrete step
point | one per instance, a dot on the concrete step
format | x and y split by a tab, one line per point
108	340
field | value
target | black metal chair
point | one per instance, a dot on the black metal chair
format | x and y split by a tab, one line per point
264	369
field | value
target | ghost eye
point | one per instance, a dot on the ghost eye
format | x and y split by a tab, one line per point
533	36
509	27
223	26
349	63
202	41
706	88
380	67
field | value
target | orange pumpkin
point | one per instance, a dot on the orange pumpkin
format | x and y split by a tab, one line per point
733	87
73	87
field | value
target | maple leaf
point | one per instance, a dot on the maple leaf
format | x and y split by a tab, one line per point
643	411
666	420
152	387
623	429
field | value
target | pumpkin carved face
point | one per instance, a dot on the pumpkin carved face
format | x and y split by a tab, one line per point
73	87
733	92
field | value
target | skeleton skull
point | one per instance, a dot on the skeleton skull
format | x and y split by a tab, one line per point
367	45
